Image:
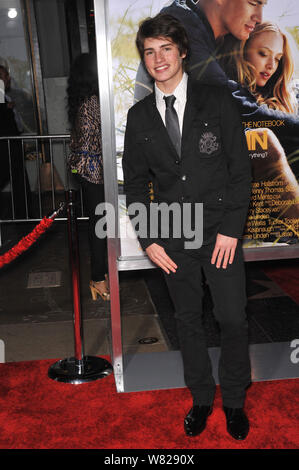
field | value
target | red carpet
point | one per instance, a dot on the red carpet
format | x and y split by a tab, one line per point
38	413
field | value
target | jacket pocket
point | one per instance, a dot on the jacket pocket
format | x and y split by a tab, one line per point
209	139
145	138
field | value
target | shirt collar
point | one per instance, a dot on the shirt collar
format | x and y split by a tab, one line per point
180	92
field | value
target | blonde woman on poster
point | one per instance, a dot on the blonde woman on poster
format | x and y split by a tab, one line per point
265	67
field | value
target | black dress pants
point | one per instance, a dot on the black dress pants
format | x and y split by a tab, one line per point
93	194
227	287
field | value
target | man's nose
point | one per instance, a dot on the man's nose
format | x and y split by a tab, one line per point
159	56
258	14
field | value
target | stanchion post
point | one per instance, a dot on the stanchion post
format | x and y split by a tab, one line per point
80	368
75	273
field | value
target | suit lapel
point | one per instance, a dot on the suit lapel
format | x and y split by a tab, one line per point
159	126
192	108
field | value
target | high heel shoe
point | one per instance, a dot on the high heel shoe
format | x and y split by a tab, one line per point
95	290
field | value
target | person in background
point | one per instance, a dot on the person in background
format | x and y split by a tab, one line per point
85	159
13	169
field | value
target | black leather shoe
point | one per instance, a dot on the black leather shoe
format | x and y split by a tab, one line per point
237	423
196	419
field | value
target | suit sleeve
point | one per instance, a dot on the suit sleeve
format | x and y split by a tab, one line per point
238	190
136	181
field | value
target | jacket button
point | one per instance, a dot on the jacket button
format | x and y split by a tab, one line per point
177	162
183	178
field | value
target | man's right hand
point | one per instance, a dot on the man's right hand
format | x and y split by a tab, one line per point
158	255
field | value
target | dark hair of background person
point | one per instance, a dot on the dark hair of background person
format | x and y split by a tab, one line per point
162	25
82	83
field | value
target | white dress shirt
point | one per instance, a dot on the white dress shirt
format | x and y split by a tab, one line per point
180	94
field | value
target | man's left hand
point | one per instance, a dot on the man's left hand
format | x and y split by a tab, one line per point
224	250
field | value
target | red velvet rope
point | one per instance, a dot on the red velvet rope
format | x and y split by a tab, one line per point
26	242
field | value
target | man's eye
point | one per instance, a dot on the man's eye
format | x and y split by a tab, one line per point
255	4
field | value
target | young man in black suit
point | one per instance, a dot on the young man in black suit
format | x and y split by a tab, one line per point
187	139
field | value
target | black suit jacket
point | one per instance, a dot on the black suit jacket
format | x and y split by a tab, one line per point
214	167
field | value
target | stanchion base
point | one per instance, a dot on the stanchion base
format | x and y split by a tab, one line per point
72	371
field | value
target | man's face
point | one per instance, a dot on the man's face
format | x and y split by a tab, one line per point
239	17
163	62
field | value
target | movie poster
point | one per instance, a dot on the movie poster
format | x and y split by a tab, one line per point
273	140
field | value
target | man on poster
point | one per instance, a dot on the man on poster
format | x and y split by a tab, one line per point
188	139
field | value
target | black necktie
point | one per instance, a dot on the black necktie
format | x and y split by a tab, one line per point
172	123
